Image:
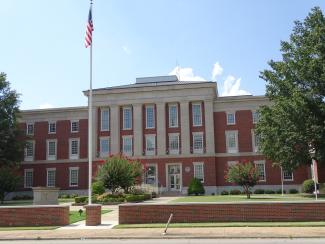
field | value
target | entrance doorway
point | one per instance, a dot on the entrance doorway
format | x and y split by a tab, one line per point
174	177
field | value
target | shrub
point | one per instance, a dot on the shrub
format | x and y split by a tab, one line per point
153	194
134	198
73	195
64	196
293	191
235	192
147	196
98	188
107	197
82	199
269	192
279	191
22	197
195	187
259	191
308	186
224	193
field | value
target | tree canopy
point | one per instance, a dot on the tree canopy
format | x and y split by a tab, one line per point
294	123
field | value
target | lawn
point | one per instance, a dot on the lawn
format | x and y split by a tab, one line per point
76	217
30	202
241	198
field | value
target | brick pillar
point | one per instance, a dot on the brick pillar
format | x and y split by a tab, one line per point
93	214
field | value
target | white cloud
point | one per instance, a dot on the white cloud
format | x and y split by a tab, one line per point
231	87
185	74
46	105
126	49
217	70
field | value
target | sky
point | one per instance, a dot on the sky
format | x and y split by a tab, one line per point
228	41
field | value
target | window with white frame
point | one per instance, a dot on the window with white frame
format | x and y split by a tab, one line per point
29	150
199	171
74	126
73	176
256	141
197	142
150	116
104	147
51	149
256	116
30	129
231	119
150	144
74	148
260	166
173	143
127	145
52	127
150	176
197	114
232	163
232	141
287	175
104	119
127	118
28	178
51	177
173	115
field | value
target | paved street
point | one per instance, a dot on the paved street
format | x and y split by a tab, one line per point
174	241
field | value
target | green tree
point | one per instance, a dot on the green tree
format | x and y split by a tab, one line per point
294	123
9	180
195	187
243	174
119	173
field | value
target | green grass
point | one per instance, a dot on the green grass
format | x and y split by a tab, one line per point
76	217
30	202
29	228
240	198
230	224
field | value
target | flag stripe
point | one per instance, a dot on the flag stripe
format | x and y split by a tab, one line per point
89	29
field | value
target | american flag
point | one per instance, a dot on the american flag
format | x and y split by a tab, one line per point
89	30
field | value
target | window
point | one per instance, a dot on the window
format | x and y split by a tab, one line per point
52	127
173	143
127	145
30	129
51	149
231	119
198	142
51	177
260	165
232	163
29	151
104	120
173	115
232	141
74	126
150	144
287	175
199	171
73	176
197	114
104	147
127	118
256	116
74	148
150	116
256	141
151	174
28	178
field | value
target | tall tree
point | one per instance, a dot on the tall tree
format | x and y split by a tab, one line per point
294	123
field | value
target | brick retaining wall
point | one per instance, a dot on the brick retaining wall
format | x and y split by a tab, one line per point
34	216
221	212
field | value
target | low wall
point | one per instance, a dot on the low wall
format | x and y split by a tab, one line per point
222	212
34	216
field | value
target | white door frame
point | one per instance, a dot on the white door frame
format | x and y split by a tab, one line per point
181	176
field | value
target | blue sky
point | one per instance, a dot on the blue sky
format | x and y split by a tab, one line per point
42	45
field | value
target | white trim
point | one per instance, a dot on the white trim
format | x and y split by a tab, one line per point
261	162
74	121
150	153
197	134
234	114
74	156
181	175
128	153
201	120
47	176
153	114
49	125
28	171
131	117
30	158
255	149
51	157
174	151
255	122
70	169
27	124
169	121
292	178
231	150
194	171
102	110
101	153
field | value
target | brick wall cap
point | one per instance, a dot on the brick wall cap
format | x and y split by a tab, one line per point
93	206
42	188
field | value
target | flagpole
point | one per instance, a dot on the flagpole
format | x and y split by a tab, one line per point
90	120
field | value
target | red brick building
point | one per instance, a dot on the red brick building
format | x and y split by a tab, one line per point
178	130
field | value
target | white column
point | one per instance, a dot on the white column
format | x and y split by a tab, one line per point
115	129
94	131
137	130
185	127
161	129
209	126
